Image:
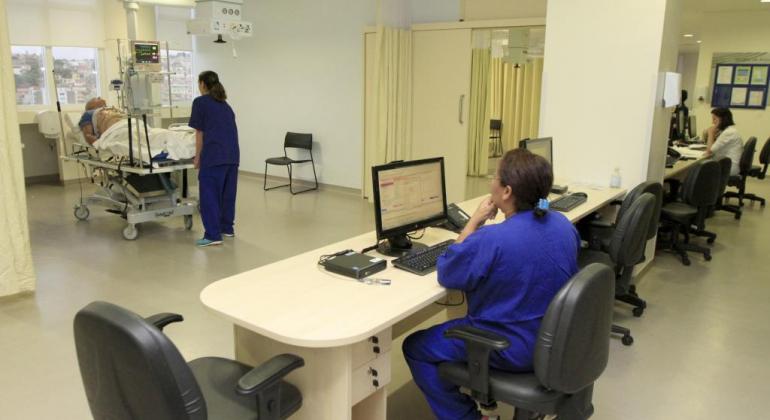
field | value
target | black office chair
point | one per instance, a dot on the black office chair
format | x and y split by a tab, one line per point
131	370
496	135
699	194
570	354
293	141
739	181
725	166
625	251
764	159
598	233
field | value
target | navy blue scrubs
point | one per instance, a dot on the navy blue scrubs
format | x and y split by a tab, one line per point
509	272
220	156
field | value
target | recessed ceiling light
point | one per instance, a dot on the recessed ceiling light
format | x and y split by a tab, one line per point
699	41
764	1
692	35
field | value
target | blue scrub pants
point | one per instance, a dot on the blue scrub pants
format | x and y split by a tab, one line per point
217	186
424	351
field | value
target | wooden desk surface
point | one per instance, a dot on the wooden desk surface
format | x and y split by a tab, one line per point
682	166
296	302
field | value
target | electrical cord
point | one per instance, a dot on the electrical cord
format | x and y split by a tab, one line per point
417	237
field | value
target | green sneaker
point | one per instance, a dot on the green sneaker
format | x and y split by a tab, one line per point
206	242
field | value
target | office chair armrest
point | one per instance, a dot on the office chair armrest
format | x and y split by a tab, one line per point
478	345
161	320
478	337
268	374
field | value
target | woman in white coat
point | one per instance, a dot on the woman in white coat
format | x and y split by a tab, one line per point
723	139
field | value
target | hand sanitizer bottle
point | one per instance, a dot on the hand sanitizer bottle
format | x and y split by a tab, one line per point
615	179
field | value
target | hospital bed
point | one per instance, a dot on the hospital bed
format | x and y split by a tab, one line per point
137	191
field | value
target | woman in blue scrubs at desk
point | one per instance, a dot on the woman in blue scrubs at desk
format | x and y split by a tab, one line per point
509	271
217	157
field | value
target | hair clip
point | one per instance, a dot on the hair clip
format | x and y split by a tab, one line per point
543	204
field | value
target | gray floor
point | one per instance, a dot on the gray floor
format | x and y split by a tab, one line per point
700	351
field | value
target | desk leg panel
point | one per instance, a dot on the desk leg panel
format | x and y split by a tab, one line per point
325	380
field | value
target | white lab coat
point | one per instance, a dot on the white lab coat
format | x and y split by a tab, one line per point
729	144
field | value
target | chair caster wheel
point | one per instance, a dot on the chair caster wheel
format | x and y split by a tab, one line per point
707	257
637	312
737	216
632	289
711	240
686	261
627	340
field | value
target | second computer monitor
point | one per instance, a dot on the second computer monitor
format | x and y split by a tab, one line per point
541	147
408	196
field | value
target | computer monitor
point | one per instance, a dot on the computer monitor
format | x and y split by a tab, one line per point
408	196
541	147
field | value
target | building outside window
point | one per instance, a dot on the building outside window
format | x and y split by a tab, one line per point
183	84
76	74
29	74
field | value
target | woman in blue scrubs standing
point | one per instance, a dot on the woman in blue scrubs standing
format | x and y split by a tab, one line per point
509	271
217	157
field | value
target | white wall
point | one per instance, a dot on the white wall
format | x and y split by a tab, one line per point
688	66
423	11
302	71
503	9
600	87
732	32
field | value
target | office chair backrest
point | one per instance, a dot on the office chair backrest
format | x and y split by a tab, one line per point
630	236
702	184
298	141
131	370
764	155
747	157
654	188
495	124
725	166
574	338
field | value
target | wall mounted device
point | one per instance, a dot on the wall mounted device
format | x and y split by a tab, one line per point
221	18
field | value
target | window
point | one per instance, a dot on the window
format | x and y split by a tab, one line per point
76	75
29	74
182	80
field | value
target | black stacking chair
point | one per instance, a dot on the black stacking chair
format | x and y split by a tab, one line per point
725	165
599	235
131	370
496	135
739	181
764	159
570	354
699	194
626	250
293	141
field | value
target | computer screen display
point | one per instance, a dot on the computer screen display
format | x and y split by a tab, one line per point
541	147
146	52
408	195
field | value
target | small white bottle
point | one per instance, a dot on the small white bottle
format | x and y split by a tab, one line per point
615	179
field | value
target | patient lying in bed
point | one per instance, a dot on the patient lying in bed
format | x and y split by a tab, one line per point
107	129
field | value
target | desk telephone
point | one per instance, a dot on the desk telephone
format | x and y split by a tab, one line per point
456	218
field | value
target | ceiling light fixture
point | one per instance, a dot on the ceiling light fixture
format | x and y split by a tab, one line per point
688	35
699	41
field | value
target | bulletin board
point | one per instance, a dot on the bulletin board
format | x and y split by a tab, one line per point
740	86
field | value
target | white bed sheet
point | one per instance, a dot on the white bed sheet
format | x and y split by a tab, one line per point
179	144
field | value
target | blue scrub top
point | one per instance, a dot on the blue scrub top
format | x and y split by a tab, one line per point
510	272
220	135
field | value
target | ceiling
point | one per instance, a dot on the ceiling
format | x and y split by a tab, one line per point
693	10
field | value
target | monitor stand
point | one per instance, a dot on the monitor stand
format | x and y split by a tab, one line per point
398	246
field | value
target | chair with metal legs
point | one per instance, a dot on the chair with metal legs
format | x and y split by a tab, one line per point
293	141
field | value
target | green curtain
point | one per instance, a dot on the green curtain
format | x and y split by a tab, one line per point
478	120
16	271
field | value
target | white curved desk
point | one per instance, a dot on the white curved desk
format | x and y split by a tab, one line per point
343	328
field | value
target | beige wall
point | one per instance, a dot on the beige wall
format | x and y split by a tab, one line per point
732	32
502	9
601	86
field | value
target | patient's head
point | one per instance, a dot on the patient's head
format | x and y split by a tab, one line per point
95	103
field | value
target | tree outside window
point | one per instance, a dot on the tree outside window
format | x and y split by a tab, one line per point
29	75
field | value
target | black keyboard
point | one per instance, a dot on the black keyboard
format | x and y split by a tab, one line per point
423	261
567	202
